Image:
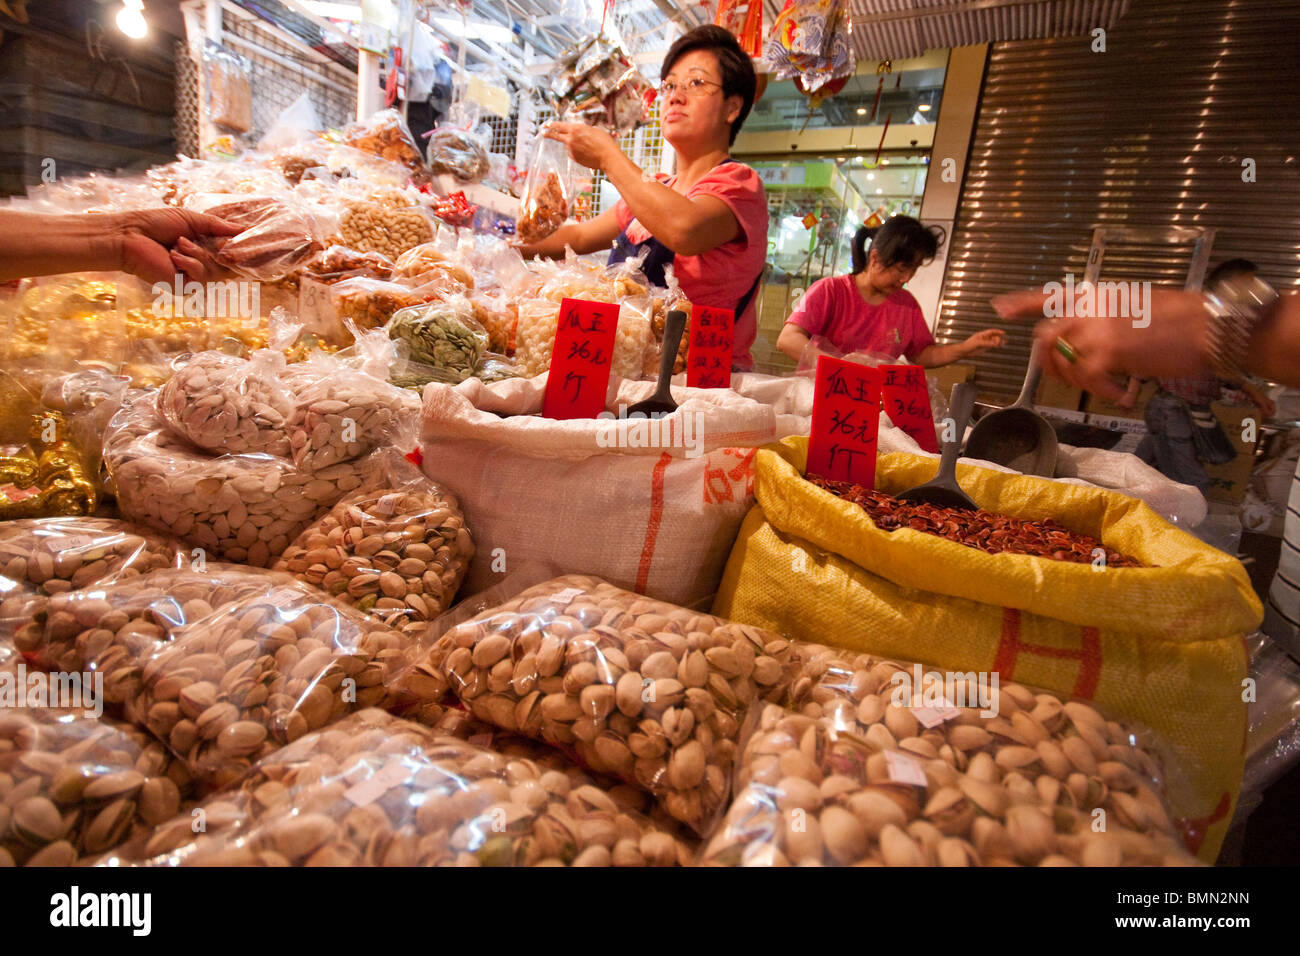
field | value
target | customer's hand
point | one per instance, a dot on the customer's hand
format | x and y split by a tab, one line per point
155	244
1165	337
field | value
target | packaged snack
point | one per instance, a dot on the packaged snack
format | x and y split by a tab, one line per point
545	203
648	692
810	40
376	790
442	334
230	94
385	135
398	552
224	403
461	153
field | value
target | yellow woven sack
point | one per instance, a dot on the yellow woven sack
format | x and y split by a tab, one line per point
1161	645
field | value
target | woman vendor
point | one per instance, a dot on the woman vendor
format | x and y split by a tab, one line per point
709	221
869	310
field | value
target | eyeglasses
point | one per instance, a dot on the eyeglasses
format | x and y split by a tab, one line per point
692	87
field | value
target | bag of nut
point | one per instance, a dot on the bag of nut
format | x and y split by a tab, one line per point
113	628
342	412
44	557
225	403
863	770
279	235
386	135
547	192
76	785
375	790
261	672
398	552
642	690
244	508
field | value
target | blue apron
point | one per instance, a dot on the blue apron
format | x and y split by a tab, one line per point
657	256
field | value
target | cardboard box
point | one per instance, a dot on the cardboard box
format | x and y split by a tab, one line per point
1054	393
1229	482
1100	406
946	376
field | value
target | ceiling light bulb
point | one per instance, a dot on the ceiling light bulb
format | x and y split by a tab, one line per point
862	111
878	190
924	107
131	22
884	162
871	175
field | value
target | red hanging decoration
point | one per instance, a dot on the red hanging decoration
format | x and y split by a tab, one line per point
743	19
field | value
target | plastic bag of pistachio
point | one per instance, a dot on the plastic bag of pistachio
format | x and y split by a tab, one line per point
261	672
244	508
881	763
45	557
648	692
112	629
375	790
79	785
398	551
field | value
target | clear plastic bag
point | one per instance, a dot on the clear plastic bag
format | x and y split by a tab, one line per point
262	672
278	237
388	229
442	334
369	303
398	552
548	191
336	263
230	94
375	790
429	263
386	135
113	628
871	767
645	691
461	153
343	410
598	83
223	403
244	508
499	317
77	785
44	557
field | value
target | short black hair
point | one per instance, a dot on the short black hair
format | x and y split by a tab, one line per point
1227	270
738	77
900	239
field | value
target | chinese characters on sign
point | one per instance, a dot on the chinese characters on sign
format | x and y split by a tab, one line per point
907	403
845	422
580	363
708	358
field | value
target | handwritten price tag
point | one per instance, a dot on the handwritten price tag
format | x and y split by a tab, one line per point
907	403
845	422
584	347
708	356
315	305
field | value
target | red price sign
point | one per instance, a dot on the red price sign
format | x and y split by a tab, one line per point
907	403
708	357
845	422
584	347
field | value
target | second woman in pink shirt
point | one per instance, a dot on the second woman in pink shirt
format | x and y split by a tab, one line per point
869	310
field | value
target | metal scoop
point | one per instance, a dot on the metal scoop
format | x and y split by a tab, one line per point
1017	436
661	402
942	490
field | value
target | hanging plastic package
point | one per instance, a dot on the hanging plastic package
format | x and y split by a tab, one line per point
549	190
230	94
811	40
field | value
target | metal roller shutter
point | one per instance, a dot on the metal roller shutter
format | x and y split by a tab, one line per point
1151	132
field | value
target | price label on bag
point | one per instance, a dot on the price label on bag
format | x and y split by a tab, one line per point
709	349
845	422
907	403
580	362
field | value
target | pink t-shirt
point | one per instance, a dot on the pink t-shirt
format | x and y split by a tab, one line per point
722	275
833	308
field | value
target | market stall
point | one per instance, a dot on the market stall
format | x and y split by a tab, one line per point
353	547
